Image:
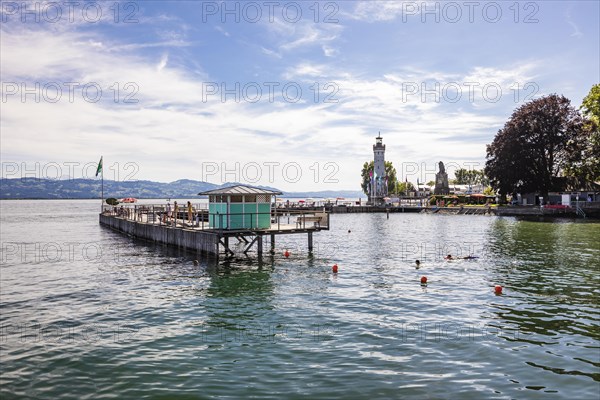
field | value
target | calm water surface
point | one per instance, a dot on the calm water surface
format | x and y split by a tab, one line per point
88	313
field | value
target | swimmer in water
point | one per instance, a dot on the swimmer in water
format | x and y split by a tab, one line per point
469	257
417	264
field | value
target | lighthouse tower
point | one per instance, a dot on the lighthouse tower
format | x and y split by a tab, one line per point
379	179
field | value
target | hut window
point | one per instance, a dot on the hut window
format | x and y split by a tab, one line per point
262	198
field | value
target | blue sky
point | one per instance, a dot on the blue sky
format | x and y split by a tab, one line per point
416	71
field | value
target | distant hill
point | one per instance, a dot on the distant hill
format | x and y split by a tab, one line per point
32	188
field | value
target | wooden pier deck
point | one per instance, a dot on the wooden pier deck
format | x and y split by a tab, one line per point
200	235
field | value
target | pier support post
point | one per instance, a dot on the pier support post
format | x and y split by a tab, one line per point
310	242
259	244
272	243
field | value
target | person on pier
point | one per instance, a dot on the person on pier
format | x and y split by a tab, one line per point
175	210
167	216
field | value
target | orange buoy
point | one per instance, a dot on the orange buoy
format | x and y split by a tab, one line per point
334	268
286	254
498	289
424	280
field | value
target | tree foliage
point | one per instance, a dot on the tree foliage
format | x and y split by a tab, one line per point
534	147
584	166
403	188
489	191
366	179
470	177
591	104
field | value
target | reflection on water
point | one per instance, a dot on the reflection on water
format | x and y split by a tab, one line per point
87	311
551	270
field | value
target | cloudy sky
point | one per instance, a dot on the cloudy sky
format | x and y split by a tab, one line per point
286	94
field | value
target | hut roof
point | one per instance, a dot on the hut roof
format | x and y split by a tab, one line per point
240	190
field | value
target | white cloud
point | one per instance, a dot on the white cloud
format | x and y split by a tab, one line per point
289	37
330	51
172	130
270	52
389	10
519	73
378	10
163	62
305	70
223	31
576	31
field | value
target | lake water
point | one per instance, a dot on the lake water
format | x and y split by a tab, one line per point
89	313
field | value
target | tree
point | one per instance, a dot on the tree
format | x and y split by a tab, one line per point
488	191
584	166
534	147
591	104
461	176
390	171
469	177
404	187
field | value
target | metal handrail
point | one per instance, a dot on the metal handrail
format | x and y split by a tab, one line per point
135	212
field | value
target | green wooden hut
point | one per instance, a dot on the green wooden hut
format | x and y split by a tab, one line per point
240	207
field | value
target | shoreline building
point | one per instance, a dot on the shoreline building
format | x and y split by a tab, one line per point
379	184
240	207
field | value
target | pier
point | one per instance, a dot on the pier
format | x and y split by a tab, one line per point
241	213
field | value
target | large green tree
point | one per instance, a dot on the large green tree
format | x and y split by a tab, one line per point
402	188
365	176
591	104
470	177
584	165
534	147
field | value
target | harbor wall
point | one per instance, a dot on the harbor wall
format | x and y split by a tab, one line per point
373	209
201	242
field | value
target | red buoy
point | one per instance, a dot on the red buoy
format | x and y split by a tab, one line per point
498	289
334	268
286	254
423	280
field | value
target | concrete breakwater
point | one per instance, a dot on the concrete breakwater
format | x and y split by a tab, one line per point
373	209
402	209
506	211
198	241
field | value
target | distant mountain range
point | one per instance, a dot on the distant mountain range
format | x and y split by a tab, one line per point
33	188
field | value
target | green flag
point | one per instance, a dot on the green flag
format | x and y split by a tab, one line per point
99	169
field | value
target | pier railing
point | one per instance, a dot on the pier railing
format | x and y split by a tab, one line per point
200	218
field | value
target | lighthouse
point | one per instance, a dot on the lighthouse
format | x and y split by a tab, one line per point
379	178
